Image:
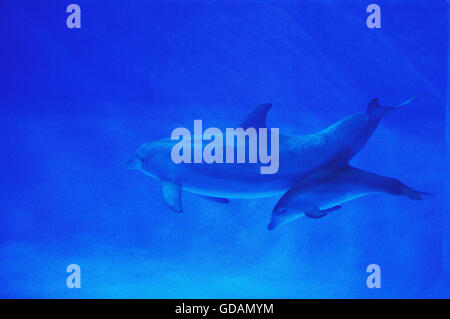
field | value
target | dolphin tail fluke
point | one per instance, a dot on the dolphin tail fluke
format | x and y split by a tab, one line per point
413	194
391	186
376	110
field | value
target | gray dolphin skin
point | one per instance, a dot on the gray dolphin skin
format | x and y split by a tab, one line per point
324	191
299	156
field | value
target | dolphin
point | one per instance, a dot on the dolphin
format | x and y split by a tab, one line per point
324	191
299	155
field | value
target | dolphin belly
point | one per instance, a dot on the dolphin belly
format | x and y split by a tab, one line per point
234	183
325	196
327	200
298	156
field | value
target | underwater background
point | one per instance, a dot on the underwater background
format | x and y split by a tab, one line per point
76	103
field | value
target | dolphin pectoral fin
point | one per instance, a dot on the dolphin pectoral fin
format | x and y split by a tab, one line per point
172	195
257	118
315	213
318	213
216	199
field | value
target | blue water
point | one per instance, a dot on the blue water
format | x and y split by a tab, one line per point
75	104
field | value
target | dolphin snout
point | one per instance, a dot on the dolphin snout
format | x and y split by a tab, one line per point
133	163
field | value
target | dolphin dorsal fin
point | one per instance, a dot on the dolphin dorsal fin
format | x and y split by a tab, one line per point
257	117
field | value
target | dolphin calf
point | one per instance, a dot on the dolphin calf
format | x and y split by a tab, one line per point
324	191
299	155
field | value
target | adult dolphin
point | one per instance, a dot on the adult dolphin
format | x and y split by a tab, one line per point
298	156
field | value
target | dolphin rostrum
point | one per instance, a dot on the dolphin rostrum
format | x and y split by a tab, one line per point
299	155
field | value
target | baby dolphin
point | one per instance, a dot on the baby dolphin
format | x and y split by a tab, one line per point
324	190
